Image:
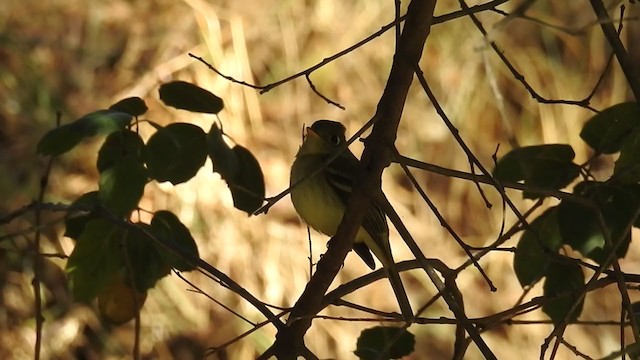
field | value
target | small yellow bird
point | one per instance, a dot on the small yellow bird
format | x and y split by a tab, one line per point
321	199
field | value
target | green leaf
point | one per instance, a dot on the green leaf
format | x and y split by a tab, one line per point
187	96
579	224
225	161
166	227
562	278
66	137
384	342
74	223
618	204
176	152
132	105
147	264
536	247
247	187
95	260
605	132
579	227
59	140
627	168
119	145
122	185
548	167
103	122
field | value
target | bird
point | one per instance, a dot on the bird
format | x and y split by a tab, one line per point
320	199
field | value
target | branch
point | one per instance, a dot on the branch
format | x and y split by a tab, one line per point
37	265
377	156
491	5
629	67
517	75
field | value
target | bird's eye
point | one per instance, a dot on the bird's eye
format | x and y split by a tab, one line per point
334	140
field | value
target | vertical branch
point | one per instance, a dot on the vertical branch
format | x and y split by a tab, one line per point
377	156
134	294
37	265
629	68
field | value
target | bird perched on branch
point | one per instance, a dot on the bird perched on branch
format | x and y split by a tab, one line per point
321	199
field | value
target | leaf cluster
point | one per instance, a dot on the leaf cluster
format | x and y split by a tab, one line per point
111	252
596	222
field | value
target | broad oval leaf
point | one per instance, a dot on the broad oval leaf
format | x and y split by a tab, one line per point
580	225
103	122
618	204
176	152
166	227
132	105
605	132
384	342
121	186
533	253
225	161
59	140
147	264
247	187
548	167
95	260
627	167
562	287
75	223
187	96
66	137
119	145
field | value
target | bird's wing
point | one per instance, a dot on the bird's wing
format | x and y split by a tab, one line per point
375	222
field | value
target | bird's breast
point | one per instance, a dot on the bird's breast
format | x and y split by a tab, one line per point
314	200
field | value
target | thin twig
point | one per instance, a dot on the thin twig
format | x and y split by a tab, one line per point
306	72
37	266
628	65
516	74
197	290
446	225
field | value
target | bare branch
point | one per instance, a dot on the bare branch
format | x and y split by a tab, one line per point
377	155
629	67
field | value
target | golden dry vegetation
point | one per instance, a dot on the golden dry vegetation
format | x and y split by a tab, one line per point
77	56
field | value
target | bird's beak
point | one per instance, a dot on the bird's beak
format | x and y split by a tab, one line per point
309	132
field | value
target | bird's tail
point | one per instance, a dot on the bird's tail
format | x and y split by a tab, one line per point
399	291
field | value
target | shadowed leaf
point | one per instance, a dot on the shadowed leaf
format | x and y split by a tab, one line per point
176	152
247	187
606	131
66	137
562	278
187	96
384	342
627	168
549	167
167	227
535	248
580	226
133	105
224	159
75	223
122	185
119	145
147	264
95	260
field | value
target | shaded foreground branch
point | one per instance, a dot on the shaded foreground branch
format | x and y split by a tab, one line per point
377	155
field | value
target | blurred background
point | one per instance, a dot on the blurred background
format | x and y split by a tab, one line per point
77	56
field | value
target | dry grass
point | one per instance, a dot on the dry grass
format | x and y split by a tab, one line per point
78	56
